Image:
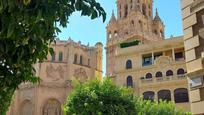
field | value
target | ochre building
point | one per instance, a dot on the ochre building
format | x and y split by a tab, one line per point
138	55
193	25
71	61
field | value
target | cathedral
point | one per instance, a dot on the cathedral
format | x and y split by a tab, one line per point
71	60
140	57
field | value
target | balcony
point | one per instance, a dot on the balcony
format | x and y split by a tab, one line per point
162	79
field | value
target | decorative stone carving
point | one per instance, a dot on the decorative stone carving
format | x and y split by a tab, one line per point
52	107
80	74
55	74
163	61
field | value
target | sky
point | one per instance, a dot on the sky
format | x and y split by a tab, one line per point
84	29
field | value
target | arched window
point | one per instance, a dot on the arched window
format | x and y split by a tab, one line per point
128	64
126	11
180	71
88	62
53	57
81	59
75	58
144	9
109	35
181	95
26	108
52	107
115	33
132	23
159	74
148	76
60	56
149	95
161	33
129	81
169	73
164	95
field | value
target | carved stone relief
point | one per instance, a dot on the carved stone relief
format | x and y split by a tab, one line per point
80	74
55	73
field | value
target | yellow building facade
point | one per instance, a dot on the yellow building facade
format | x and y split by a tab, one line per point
155	71
70	61
193	25
139	56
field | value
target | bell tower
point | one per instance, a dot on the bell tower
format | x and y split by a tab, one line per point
125	7
134	21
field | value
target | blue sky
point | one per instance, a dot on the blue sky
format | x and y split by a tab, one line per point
92	31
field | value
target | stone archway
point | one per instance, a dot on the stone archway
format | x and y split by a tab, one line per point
26	108
52	107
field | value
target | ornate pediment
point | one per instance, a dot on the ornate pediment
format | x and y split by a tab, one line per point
163	61
55	73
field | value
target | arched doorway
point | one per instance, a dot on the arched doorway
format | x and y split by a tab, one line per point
52	107
26	108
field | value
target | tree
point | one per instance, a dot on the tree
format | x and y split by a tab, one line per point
104	98
27	27
100	98
145	107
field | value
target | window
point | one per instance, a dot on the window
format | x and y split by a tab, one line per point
126	11
164	95
53	57
157	55
60	56
149	95
161	33
52	107
132	23
144	9
75	58
129	64
147	60
109	35
88	62
148	76
81	59
179	56
115	33
169	73
181	95
159	74
180	71
129	81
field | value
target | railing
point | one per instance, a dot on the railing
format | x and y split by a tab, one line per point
163	79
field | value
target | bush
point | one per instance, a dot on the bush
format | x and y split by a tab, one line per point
97	98
104	98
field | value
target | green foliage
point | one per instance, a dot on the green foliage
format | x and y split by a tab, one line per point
154	108
129	44
97	98
27	27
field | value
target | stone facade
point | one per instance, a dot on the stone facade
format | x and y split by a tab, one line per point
193	25
154	67
134	21
154	71
70	61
